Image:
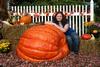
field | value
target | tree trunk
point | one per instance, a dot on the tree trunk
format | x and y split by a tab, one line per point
3	10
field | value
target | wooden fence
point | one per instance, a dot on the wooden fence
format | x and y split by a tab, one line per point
76	14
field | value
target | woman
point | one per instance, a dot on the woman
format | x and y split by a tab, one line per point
59	20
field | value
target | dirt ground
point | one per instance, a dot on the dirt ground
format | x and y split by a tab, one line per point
89	56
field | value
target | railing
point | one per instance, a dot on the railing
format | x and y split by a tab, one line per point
76	14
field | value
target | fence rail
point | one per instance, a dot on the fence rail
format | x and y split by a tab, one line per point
76	14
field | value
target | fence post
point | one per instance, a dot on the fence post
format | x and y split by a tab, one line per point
91	10
8	4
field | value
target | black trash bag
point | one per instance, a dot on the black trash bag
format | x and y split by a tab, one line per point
1	37
1	25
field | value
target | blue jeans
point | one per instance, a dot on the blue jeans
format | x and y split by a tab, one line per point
73	41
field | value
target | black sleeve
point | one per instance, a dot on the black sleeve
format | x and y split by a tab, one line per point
67	21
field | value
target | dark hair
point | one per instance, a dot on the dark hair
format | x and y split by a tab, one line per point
64	20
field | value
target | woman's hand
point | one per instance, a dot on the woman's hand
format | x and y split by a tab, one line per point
48	22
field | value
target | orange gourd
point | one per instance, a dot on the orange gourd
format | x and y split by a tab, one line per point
86	36
95	31
42	43
26	19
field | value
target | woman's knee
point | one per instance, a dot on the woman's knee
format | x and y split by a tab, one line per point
68	37
74	35
69	40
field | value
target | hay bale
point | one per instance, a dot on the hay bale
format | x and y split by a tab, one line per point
13	33
90	47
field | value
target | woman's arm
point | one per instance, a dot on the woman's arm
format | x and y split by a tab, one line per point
62	29
66	27
48	22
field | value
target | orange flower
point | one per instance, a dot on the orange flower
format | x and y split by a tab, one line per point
88	23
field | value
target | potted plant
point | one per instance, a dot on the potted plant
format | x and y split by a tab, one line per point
93	28
4	46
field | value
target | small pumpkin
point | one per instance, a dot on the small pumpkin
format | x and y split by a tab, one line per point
37	14
26	19
47	14
86	36
95	31
42	43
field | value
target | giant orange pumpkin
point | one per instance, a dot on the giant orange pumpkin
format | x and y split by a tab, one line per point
26	19
42	43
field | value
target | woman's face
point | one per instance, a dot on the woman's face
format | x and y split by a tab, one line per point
59	17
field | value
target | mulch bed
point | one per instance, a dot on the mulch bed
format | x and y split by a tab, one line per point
89	55
11	60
